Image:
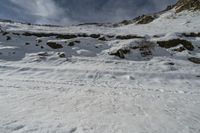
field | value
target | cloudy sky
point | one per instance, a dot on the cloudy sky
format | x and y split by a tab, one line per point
68	12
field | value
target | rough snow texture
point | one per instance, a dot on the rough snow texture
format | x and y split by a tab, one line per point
81	88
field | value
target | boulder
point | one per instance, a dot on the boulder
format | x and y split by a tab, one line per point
54	45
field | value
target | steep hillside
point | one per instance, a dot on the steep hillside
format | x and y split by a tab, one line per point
181	5
187	5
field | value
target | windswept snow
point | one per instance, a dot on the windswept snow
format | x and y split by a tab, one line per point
80	85
168	22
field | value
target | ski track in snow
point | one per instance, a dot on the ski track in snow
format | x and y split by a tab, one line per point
92	104
38	106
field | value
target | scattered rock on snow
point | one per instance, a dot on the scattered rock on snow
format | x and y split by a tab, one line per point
54	45
102	39
193	34
120	53
145	19
180	49
43	54
66	36
95	35
194	60
125	37
169	63
39	41
27	43
8	38
62	55
77	41
145	50
71	44
5	33
175	42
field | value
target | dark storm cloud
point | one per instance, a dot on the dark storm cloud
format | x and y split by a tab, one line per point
77	11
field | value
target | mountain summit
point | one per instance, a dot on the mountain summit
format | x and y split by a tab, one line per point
187	5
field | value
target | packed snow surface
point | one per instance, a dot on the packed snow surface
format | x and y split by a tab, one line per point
100	83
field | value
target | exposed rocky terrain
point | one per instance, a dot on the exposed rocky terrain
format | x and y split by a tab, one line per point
181	5
187	5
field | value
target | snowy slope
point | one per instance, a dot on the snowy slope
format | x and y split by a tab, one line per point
101	79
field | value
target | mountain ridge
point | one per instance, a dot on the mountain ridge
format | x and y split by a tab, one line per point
187	5
179	6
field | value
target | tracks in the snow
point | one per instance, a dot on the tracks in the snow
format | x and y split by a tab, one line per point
80	84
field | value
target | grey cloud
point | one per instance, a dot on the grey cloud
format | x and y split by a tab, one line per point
77	11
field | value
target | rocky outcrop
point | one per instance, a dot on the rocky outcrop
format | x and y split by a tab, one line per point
120	52
125	37
181	5
54	45
145	19
175	42
194	60
187	5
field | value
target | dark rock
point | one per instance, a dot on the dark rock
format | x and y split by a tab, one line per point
194	60
145	50
58	36
43	54
39	41
120	53
95	35
145	19
39	34
54	45
187	5
77	41
27	43
110	36
181	49
175	42
135	47
17	34
8	38
83	35
191	34
170	63
124	37
69	36
71	44
126	22
73	130
62	55
102	39
5	33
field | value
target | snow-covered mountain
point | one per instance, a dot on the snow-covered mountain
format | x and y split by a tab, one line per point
140	75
